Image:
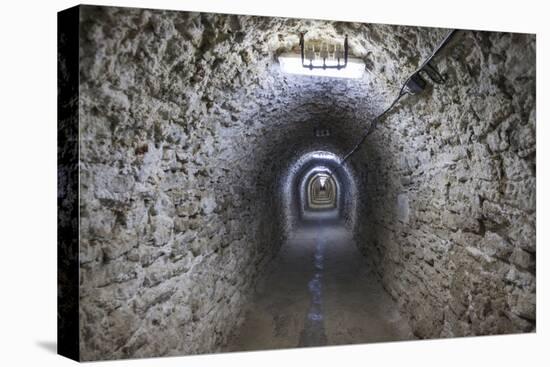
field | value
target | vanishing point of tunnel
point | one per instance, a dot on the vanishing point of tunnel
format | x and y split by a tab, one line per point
217	213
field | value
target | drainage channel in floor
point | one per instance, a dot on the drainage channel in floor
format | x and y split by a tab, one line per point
314	328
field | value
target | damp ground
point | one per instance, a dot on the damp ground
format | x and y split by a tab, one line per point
319	292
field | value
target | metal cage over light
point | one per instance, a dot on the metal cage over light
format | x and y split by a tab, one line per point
324	55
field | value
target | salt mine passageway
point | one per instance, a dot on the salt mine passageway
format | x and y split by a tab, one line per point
220	210
318	289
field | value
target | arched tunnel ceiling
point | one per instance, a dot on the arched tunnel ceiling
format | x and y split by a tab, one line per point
191	139
234	87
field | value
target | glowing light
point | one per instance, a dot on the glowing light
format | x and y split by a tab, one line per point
292	64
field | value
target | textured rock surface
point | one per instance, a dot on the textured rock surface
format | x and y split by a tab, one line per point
188	128
450	193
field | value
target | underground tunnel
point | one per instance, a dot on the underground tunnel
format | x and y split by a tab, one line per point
221	211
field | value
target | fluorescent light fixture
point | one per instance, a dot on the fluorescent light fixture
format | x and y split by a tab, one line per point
292	64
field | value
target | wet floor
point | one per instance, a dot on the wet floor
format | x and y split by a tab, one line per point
319	292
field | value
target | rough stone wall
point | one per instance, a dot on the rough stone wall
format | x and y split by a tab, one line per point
175	224
449	193
186	124
187	130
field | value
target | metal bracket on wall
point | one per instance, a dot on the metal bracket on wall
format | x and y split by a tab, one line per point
413	85
416	83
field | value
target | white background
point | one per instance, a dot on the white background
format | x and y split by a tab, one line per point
28	182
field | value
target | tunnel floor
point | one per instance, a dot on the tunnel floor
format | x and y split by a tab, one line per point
319	292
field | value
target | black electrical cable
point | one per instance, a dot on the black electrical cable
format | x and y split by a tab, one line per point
404	90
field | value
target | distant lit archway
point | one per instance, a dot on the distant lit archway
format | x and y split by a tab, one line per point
321	192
